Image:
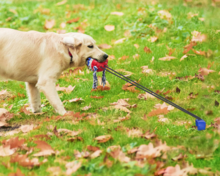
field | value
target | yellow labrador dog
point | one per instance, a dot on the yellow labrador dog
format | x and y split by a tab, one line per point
39	58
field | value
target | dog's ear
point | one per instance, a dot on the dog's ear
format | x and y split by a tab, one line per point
72	41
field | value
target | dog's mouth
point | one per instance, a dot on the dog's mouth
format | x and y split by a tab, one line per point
92	58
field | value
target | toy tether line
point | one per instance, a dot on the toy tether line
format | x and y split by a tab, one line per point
200	123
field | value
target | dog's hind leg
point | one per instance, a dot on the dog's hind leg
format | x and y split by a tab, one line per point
34	97
48	87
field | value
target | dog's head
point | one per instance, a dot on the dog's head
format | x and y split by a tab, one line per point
82	47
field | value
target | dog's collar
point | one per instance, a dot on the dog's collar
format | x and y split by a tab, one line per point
71	56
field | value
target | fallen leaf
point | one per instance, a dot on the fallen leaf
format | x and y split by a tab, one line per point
117	13
103	139
24	161
119	155
136	56
72	167
120	119
69	132
111	57
129	87
54	171
179	157
104	46
96	154
177	90
153	39
199	52
45	149
25	110
97	97
17	173
109	27
76	100
119	41
198	37
49	24
122	108
136	45
68	89
123	58
148	135
164	105
205	71
191	15
127	33
77	138
92	148
6	151
183	57
86	107
188	47
26	128
167	58
164	14
145	96
63	25
157	112
101	88
14	143
74	20
147	50
145	69
61	2
134	132
121	102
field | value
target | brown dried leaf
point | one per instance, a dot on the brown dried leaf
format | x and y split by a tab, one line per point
26	128
61	2
203	53
147	50
45	149
188	47
134	132
149	135
104	46
74	20
109	27
49	24
205	71
153	39
92	148
96	154
167	58
17	173
145	69
54	171
183	57
97	97
157	112
6	151
117	13
72	167
103	139
75	100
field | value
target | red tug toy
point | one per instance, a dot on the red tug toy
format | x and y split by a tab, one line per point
96	66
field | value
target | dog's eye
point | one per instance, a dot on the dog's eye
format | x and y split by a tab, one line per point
90	46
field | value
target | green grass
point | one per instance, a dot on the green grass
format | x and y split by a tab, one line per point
97	15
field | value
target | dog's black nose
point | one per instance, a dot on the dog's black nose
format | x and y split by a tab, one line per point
105	56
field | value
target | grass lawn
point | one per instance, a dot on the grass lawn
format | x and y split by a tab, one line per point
146	140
